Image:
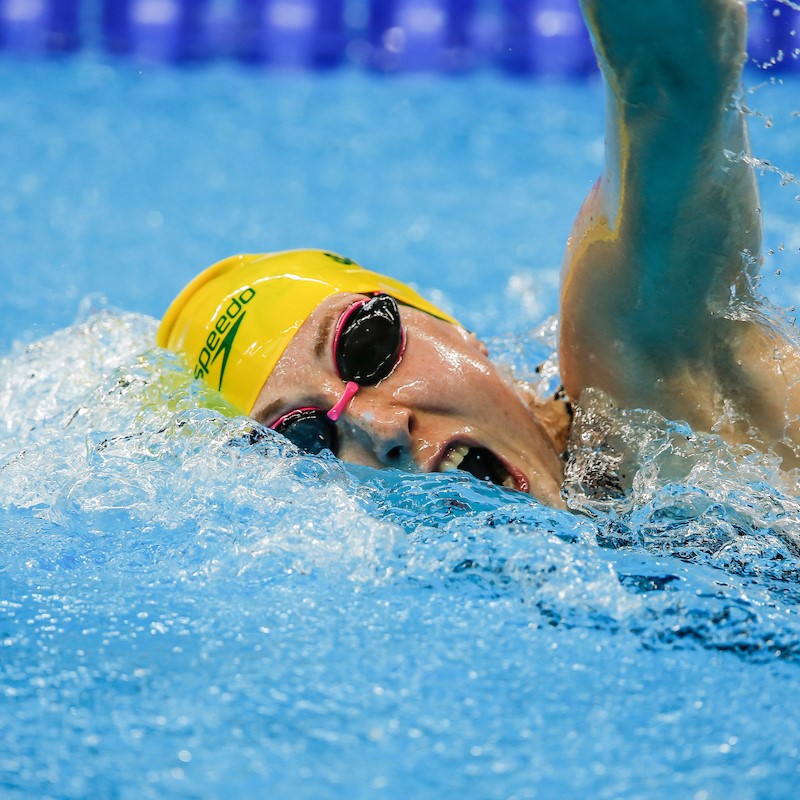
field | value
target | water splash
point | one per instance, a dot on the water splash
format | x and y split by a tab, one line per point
761	165
123	446
208	596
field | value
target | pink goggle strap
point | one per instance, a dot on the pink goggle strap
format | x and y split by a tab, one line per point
350	390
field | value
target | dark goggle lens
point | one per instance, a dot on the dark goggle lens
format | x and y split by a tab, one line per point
310	430
370	341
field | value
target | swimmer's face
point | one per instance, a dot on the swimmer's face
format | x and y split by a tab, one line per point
443	406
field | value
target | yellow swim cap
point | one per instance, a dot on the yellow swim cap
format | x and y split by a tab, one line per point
235	319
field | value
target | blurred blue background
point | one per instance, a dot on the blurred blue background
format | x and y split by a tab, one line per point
449	143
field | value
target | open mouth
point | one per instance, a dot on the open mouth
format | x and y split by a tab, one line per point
479	462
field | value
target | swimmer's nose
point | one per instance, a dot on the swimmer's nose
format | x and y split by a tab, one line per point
385	430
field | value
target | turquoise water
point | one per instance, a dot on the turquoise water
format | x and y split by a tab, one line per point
185	615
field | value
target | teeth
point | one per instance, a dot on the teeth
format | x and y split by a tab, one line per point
509	483
455	455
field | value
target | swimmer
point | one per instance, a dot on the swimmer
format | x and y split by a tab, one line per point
657	307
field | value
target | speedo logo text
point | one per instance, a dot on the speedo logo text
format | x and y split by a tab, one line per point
220	339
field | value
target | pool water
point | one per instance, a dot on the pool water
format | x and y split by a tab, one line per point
184	614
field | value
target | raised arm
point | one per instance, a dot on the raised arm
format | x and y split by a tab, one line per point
672	227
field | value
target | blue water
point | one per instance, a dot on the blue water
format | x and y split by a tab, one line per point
184	615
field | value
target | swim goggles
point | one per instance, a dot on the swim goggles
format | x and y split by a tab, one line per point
368	344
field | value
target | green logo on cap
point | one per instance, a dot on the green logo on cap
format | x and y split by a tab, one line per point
225	349
219	341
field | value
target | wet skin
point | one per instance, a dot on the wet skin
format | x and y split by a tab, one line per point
444	393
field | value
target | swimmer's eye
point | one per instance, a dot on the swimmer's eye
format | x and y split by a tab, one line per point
369	340
367	345
309	429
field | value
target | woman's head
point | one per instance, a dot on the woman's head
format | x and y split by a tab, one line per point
313	345
235	319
